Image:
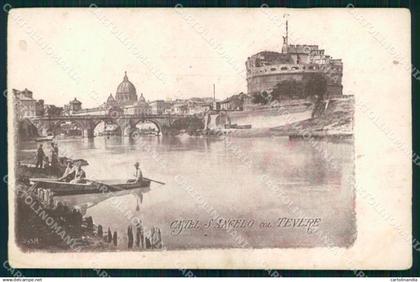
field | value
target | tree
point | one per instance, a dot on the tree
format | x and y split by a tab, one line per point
260	98
188	123
316	85
288	88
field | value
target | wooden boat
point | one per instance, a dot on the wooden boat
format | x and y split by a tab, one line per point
60	188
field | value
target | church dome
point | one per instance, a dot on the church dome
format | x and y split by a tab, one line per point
126	92
141	99
75	101
110	99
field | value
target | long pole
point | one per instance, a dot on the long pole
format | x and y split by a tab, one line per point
214	92
162	183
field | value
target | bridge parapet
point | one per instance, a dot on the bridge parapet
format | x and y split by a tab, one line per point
79	117
87	123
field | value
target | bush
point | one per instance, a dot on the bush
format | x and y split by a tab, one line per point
316	85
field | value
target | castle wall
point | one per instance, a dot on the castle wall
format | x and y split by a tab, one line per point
267	81
334	90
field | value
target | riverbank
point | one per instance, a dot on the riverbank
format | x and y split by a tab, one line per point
44	223
40	225
332	118
335	121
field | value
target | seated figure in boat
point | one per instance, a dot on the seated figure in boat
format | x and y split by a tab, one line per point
74	174
138	174
68	173
79	174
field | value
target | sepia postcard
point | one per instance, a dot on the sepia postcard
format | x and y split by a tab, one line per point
182	138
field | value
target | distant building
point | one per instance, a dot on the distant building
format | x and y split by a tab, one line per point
75	105
246	99
159	107
111	102
72	107
70	129
39	108
206	107
235	102
25	104
215	106
141	107
53	111
179	109
197	106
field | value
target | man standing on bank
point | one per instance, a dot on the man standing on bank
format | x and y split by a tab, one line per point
53	160
40	155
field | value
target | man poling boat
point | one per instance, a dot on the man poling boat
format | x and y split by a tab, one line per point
139	176
74	182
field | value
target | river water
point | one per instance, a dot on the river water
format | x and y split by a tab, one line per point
276	192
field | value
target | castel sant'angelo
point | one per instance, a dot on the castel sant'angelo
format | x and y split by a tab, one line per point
295	62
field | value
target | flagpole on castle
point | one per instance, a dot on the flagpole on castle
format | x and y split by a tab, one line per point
286	37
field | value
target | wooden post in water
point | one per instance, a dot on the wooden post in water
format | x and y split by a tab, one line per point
147	242
130	237
51	200
100	231
115	238
138	237
89	223
109	235
45	199
159	237
40	194
142	238
156	239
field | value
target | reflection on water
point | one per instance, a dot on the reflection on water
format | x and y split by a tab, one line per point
223	178
87	201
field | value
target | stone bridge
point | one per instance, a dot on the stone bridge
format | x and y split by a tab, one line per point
126	123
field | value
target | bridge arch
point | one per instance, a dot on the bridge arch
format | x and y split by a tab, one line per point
134	123
57	124
118	131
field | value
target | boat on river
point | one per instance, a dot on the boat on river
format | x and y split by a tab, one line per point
59	188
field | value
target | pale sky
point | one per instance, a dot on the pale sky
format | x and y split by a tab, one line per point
170	53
